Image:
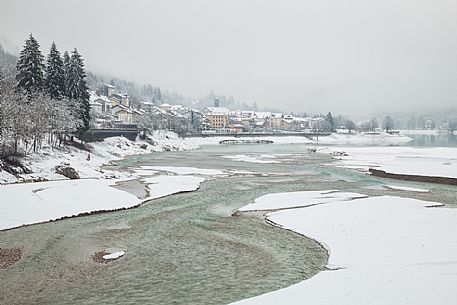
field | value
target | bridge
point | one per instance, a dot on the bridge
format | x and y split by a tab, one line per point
97	135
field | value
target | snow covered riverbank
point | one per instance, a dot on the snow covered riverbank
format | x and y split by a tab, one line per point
432	162
88	164
30	203
375	139
382	250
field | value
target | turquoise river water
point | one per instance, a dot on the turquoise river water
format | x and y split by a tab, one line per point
186	248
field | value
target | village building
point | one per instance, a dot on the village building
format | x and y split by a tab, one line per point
275	120
165	107
123	113
217	117
120	99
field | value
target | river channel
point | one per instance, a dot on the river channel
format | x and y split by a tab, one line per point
186	248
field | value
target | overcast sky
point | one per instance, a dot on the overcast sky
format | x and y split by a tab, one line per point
351	56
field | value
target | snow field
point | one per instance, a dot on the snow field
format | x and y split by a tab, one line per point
382	250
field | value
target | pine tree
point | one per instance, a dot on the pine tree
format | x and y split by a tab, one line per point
76	87
330	122
55	74
30	67
66	72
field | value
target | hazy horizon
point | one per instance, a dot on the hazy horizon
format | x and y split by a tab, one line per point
351	58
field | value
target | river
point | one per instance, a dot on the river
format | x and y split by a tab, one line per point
185	248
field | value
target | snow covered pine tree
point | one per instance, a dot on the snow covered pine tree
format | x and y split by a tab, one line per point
55	77
76	87
30	68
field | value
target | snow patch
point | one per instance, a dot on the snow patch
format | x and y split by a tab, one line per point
298	199
383	250
29	203
162	186
252	158
114	255
433	162
381	139
406	188
182	170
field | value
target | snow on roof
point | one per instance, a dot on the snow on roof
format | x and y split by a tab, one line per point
299	119
262	115
103	98
121	108
93	96
216	110
276	115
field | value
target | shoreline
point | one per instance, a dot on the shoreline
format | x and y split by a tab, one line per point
409	177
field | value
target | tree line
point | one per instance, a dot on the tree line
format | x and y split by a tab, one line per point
42	100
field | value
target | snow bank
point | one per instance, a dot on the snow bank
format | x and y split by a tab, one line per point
28	203
406	188
179	170
381	139
434	162
6	177
114	255
298	199
383	250
252	158
162	186
426	132
88	165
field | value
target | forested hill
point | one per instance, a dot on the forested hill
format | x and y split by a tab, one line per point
95	81
7	61
144	92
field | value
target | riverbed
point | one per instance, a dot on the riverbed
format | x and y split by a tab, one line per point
187	248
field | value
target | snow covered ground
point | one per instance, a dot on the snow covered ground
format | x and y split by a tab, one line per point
425	132
378	139
114	255
435	162
406	188
162	186
179	170
297	199
382	250
88	165
28	203
111	149
253	158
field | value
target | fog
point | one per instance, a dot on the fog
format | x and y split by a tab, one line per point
350	57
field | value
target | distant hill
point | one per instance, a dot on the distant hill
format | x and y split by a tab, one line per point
7	61
144	92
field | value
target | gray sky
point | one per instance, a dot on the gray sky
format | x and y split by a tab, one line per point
352	56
